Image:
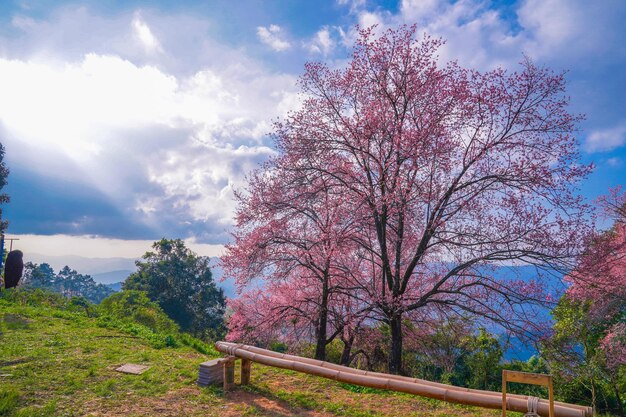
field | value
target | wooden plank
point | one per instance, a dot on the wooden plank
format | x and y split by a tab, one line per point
526	377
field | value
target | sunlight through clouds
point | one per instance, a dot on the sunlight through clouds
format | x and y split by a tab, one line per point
163	147
80	109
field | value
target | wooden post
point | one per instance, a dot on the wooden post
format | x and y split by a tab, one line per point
527	378
229	374
503	393
551	396
245	371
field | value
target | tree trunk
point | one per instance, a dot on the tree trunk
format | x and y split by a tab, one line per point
620	406
593	397
395	351
321	333
345	354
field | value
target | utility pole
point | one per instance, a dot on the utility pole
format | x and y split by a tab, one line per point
11	245
2	239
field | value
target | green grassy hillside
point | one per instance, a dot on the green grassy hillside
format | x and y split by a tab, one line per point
55	360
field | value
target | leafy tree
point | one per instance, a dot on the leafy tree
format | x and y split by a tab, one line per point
590	326
181	283
483	361
71	283
82	303
446	172
38	276
67	282
454	352
440	351
573	353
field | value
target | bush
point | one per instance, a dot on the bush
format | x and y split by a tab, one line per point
154	338
35	297
136	306
279	347
198	345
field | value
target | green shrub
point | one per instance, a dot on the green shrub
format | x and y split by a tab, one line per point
279	347
35	297
198	345
135	306
333	350
154	338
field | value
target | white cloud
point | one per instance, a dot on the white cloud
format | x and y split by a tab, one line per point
481	37
414	10
614	162
605	140
322	42
355	5
203	186
155	142
73	102
99	247
367	19
553	21
273	37
218	123
145	36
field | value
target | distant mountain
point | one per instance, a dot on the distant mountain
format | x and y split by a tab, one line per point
90	266
228	285
115	270
112	277
116	286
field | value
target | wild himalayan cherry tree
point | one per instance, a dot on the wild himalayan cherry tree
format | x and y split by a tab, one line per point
445	174
600	278
295	237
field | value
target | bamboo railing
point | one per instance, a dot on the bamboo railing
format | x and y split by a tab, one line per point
424	388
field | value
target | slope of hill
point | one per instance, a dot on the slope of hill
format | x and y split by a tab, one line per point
60	362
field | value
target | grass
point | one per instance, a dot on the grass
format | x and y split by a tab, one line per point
58	362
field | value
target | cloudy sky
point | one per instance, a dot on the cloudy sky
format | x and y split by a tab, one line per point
128	121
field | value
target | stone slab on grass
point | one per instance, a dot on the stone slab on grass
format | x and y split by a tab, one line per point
130	368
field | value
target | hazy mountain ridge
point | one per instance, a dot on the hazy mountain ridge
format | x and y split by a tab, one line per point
115	286
112	277
84	265
114	270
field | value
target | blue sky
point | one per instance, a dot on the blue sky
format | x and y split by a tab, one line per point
127	121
